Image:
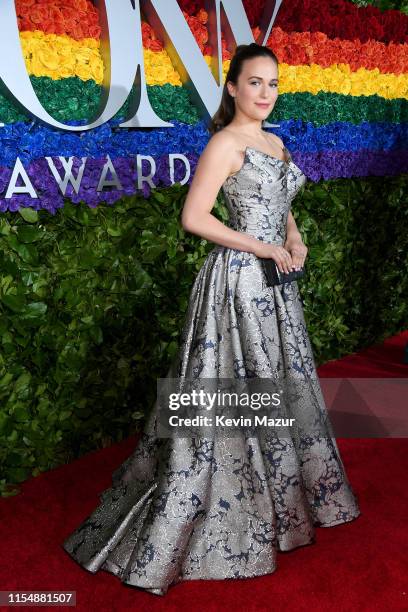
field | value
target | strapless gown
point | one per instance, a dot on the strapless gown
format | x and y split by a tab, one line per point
196	508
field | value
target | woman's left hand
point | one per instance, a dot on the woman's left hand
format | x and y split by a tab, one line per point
298	251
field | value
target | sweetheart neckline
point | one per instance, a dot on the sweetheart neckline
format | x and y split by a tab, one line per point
283	161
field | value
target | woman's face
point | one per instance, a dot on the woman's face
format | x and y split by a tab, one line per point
257	89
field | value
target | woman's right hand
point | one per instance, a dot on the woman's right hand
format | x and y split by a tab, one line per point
278	253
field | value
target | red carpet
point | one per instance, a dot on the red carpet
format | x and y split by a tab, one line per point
361	565
378	361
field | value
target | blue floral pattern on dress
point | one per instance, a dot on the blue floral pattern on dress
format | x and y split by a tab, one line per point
194	508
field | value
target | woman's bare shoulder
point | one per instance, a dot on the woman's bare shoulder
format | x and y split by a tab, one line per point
222	141
219	153
216	160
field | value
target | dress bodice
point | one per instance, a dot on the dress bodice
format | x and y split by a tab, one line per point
260	194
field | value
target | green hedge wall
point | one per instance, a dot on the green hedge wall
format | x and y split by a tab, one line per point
92	302
385	5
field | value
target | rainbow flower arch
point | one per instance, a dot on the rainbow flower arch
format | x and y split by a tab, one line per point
342	107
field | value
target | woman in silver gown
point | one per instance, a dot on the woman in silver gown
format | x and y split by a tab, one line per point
185	508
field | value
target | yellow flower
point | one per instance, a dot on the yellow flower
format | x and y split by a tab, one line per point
97	72
35	67
48	58
160	75
61	56
64	71
83	71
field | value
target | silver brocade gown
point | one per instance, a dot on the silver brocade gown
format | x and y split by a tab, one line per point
195	508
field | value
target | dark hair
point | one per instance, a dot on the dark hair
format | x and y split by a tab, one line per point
226	109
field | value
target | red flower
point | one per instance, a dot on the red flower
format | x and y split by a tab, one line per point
22	6
94	31
71	13
202	16
77	31
39	14
56	15
156	45
82	5
332	18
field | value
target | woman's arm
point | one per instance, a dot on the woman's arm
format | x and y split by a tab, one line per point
212	170
294	243
292	232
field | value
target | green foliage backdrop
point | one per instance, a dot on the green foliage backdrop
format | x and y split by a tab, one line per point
92	302
385	5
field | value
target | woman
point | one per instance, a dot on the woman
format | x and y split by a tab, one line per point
184	508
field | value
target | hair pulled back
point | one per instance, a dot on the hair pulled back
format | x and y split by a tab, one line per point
226	109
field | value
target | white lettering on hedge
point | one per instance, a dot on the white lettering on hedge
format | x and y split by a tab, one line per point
69	175
142	178
184	159
114	181
19	172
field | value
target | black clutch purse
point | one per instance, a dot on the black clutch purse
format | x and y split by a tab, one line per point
275	277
